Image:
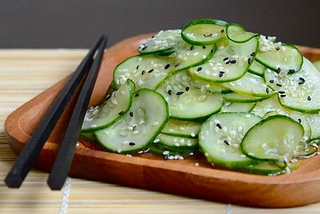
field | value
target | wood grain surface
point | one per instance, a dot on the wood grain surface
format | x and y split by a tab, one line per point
26	73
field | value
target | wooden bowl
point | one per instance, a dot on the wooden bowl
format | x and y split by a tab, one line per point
147	171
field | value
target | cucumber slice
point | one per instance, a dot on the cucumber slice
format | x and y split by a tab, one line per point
279	57
273	139
317	64
314	121
163	42
229	63
305	150
174	142
241	98
251	85
135	132
272	107
147	71
256	68
88	136
299	91
112	110
171	154
182	128
237	33
208	86
204	31
270	168
187	102
238	107
220	137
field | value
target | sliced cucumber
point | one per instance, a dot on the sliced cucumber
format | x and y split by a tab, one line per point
135	132
279	57
174	142
204	31
220	137
146	71
112	110
237	33
256	68
273	139
272	107
164	41
229	63
185	100
182	128
270	168
208	86
238	107
241	98
250	85
314	121
171	154
299	91
305	150
317	64
88	136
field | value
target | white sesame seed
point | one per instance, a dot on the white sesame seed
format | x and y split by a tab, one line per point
196	164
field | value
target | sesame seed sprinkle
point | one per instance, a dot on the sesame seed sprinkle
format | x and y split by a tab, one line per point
187	88
253	54
249	61
131	113
167	66
179	92
150	71
170	92
143	72
309	98
121	112
199	69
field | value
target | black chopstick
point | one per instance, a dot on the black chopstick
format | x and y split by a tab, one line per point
61	167
34	145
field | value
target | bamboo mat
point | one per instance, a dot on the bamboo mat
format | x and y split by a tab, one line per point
26	73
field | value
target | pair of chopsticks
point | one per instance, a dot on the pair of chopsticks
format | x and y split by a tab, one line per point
87	70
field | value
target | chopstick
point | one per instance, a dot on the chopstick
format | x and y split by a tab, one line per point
61	167
34	145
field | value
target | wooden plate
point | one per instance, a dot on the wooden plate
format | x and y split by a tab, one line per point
146	171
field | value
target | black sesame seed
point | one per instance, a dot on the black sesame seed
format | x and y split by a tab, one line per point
179	92
271	81
301	81
219	125
212	50
222	31
143	72
278	48
167	66
192	47
233	61
169	91
199	69
152	37
227	62
145	47
207	35
226	142
291	70
283	95
281	92
137	67
176	65
299	120
132	144
309	98
278	69
137	95
204	47
121	112
249	61
267	90
150	71
225	58
277	84
134	127
267	37
221	73
187	88
131	113
253	54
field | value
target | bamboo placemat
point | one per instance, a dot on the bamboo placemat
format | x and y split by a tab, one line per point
26	73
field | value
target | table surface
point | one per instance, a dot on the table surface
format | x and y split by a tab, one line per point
26	73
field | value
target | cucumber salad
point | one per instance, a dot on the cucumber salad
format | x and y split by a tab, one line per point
242	100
